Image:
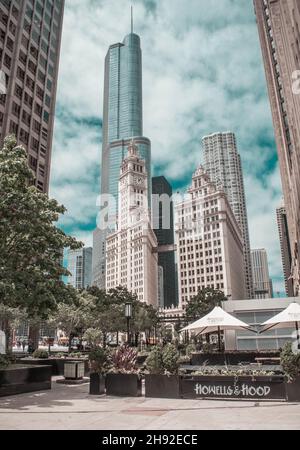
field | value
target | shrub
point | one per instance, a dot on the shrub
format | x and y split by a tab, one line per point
290	362
4	361
124	360
41	354
100	360
170	358
154	362
191	348
184	360
75	355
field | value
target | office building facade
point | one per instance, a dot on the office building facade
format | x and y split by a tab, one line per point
80	267
285	250
30	41
262	284
209	242
279	31
222	163
163	224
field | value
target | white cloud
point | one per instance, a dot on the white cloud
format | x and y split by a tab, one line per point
202	72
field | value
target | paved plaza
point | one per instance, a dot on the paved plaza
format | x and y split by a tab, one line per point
72	408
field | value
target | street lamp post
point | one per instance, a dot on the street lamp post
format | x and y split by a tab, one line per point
128	315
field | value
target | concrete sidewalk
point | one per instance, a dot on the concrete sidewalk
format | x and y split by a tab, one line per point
71	408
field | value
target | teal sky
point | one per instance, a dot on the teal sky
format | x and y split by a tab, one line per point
202	73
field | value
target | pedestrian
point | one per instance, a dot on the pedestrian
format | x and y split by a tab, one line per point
23	345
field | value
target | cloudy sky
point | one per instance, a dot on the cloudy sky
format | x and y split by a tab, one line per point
202	73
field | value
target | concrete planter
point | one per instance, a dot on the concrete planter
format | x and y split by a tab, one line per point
123	385
97	384
162	386
21	380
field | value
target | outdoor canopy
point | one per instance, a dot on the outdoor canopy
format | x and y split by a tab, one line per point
217	320
288	318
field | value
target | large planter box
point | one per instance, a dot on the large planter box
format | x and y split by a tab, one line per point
162	386
21	380
123	385
228	358
293	391
229	387
57	364
97	384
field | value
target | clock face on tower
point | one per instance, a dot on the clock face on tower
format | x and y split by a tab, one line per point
138	180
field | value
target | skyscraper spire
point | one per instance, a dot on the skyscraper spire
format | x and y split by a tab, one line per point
131	19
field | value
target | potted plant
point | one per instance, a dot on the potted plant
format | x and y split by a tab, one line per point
124	378
100	363
290	363
40	354
162	379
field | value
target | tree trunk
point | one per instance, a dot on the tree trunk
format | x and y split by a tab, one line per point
34	337
7	331
104	340
70	342
137	339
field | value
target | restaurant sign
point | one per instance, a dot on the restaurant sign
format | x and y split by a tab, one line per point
230	388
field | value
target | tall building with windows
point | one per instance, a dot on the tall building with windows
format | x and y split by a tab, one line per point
262	284
131	252
279	31
122	121
285	250
222	163
80	267
163	224
30	40
209	242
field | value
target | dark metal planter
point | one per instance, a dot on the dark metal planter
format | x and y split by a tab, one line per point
293	391
162	386
21	380
123	385
229	387
97	384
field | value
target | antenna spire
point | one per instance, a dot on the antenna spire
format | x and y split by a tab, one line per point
131	19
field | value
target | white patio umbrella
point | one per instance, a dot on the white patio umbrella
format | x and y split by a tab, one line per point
216	321
288	318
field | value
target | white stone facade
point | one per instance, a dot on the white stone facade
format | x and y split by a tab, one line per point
209	242
131	252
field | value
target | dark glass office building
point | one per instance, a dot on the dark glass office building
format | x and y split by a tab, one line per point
162	216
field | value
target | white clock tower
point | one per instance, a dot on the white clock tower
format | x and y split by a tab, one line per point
131	252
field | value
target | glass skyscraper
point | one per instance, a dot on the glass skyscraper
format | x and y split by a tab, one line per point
122	122
123	111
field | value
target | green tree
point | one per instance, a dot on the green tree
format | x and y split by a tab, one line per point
75	318
204	302
31	245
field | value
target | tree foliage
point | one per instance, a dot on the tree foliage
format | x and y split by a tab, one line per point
204	302
31	245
